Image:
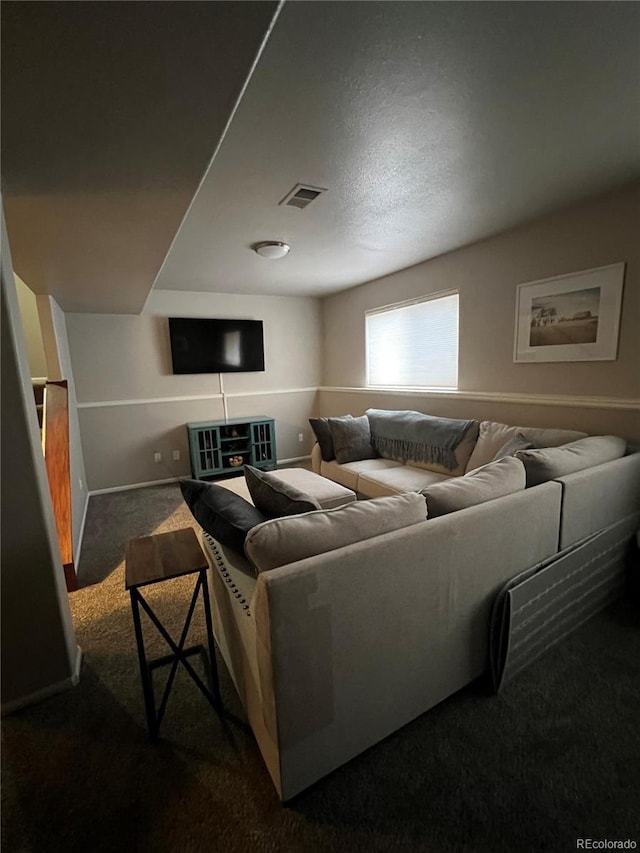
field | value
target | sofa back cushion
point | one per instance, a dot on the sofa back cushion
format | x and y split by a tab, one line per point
285	540
493	436
495	480
547	463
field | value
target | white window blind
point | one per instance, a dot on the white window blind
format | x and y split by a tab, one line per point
414	344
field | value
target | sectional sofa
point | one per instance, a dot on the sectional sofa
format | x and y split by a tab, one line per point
333	652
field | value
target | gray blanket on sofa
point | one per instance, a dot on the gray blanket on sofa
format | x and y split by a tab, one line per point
412	435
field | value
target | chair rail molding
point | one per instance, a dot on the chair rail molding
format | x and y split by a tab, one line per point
495	397
570	401
143	401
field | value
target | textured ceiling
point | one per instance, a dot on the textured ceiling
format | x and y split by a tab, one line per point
430	124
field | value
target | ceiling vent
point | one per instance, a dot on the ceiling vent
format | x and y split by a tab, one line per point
301	196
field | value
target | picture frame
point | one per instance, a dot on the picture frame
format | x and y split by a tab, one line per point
572	317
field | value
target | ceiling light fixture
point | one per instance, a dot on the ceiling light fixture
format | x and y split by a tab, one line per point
271	249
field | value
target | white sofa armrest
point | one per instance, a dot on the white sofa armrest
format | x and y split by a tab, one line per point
316	458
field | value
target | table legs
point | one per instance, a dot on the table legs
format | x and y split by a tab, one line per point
179	655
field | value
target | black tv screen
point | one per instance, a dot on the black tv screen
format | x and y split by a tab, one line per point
216	346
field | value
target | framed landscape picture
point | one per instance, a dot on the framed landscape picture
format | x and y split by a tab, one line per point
574	317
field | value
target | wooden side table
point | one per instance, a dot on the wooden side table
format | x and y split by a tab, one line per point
152	559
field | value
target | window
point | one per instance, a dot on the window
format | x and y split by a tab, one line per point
414	344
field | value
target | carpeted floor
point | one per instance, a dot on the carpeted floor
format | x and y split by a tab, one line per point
114	518
554	758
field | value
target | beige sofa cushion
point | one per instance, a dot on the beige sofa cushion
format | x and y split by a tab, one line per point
397	481
495	480
280	541
462	454
347	474
493	436
551	462
327	493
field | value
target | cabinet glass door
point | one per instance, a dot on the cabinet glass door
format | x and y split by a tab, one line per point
262	444
208	449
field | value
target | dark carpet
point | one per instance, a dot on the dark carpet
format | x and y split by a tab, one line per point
114	518
554	758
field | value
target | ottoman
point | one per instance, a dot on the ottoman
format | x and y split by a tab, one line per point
328	494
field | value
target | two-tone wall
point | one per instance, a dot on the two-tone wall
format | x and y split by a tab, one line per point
597	396
131	406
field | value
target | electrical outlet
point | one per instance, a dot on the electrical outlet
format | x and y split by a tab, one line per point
157	457
176	455
300	436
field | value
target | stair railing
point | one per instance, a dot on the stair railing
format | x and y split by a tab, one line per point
55	444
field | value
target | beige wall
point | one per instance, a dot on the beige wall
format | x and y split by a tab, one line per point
39	651
31	328
603	231
127	394
596	420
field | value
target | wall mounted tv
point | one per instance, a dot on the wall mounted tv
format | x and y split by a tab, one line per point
216	346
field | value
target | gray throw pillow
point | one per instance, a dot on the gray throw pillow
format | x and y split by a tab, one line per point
511	447
351	439
275	498
548	463
221	513
494	480
320	427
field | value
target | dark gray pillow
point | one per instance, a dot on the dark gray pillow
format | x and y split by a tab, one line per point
275	498
511	447
221	513
351	439
320	427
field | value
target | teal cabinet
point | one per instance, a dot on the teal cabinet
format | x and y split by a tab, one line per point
221	447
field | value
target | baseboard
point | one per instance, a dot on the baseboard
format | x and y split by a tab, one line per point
176	479
78	550
135	486
46	692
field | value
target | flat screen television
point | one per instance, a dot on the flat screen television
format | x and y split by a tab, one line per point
216	346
